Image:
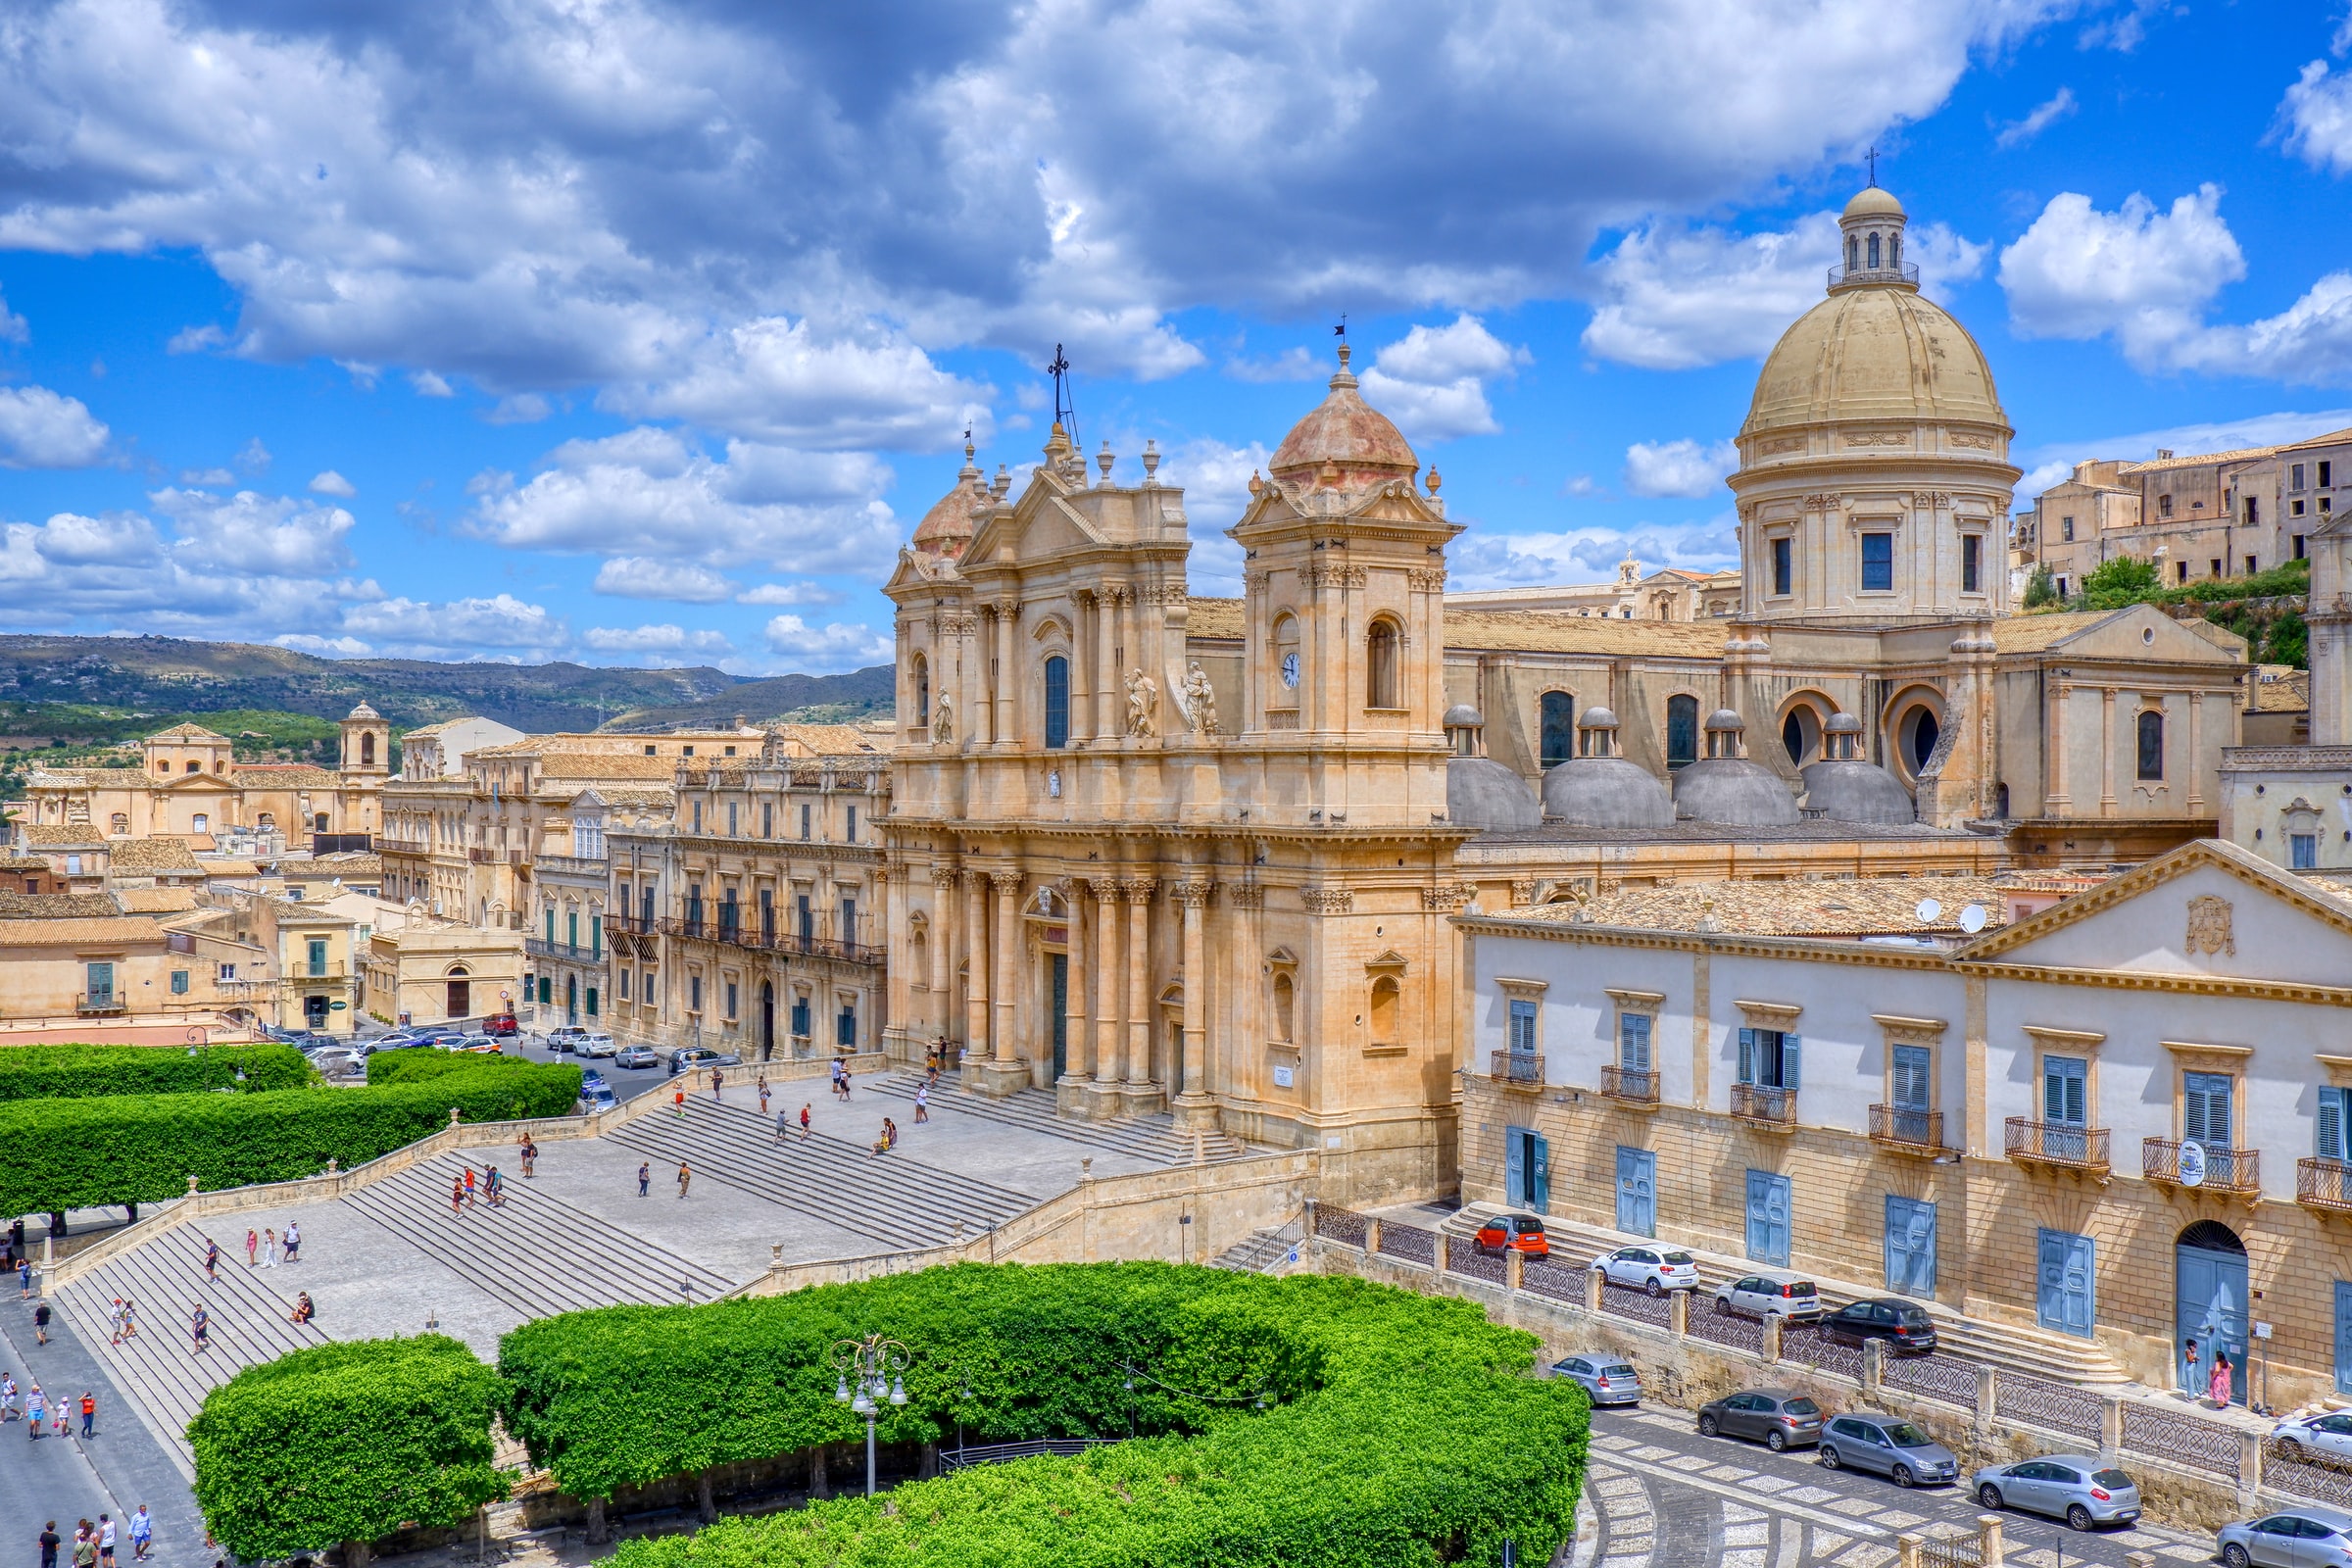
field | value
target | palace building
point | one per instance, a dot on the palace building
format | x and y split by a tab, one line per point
1160	851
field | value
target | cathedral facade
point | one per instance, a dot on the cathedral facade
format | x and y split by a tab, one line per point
1204	854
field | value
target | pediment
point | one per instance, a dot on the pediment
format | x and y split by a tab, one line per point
2144	632
198	784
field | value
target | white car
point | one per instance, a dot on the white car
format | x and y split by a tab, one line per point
2326	1434
1655	1270
596	1044
1763	1295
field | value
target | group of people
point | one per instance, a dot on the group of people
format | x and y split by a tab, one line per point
36	1408
94	1544
2215	1381
493	1186
262	1248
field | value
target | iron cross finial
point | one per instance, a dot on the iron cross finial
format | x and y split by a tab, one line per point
1873	165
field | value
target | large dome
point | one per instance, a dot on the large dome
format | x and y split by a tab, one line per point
1876	353
1347	433
950	522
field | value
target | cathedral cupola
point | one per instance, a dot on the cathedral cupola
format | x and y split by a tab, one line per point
1343	443
1873	227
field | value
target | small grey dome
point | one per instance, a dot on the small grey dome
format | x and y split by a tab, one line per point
1843	724
1461	715
1597	718
1850	790
1736	791
1605	791
1725	718
1483	794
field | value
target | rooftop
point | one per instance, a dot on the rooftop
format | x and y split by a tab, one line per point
165	856
57	906
1843	908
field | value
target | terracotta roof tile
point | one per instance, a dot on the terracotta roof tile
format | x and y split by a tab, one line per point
149	858
57	906
121	929
1845	906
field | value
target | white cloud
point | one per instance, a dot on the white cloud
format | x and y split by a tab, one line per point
1487	558
791	592
303	641
463	628
253	534
1433	380
331	483
2052	462
836	647
2315	118
650	492
253	458
1294	364
2142	275
519	407
2035	121
429	384
1678	468
1580	486
14	328
215	479
664	644
44	429
644	577
1215	480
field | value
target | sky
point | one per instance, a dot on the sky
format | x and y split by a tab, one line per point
645	331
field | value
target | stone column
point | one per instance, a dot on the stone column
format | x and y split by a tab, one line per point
1107	600
1082	675
1139	891
2196	751
975	969
1237	1067
1004	1072
943	953
2107	751
1110	980
1195	1108
2055	802
1009	680
1075	1025
981	723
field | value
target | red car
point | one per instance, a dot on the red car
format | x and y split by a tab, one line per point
501	1026
1514	1232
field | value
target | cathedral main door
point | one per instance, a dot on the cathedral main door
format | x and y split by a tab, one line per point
1058	1009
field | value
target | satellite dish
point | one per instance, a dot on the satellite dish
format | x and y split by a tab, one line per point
1972	918
1927	911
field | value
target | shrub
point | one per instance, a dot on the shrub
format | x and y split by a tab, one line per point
1404	1428
346	1442
2041	588
416	1063
2123	580
76	1073
141	1149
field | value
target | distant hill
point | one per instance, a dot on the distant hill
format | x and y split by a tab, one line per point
167	675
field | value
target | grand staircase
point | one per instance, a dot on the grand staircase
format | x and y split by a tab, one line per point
1155	1139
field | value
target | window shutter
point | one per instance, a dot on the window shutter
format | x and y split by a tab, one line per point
1747	1055
2332	1124
1790	1077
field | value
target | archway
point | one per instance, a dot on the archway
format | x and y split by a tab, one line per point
460	993
2209	1305
1800	728
767	1019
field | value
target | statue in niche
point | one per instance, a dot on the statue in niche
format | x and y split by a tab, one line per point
1200	701
1142	696
942	719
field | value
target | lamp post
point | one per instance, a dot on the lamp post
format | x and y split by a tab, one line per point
872	1366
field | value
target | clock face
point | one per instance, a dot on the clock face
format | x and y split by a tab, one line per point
1290	670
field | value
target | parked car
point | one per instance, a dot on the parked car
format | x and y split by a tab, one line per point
2309	1535
1515	1233
596	1096
339	1063
1655	1270
636	1056
598	1044
1889	1446
686	1057
1608	1379
502	1025
1762	1296
2078	1487
478	1043
1779	1418
566	1037
2327	1434
444	1042
1903	1325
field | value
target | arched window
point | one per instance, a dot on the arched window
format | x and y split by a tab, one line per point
1057	703
1895	250
1854	251
1920	731
121	823
1559	713
2151	745
195	768
367	750
923	691
1682	730
1379	649
1285	1001
1873	253
1387	999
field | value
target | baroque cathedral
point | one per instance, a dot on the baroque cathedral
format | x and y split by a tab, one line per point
1159	851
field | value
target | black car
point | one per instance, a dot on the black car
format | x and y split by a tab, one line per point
1781	1418
1903	1325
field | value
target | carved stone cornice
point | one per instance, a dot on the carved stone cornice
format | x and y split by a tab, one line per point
1328	901
1139	890
1926	499
1113	593
1425	580
1824	503
1453	896
1877	438
1980	443
1331	574
959	625
943	877
1164	593
1256	583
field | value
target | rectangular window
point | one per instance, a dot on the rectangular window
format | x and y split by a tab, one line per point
1768	1058
2064	1091
2164	506
1877	563
547	991
2294	476
1909	1084
180	982
317	956
799	1015
2205	1108
693	993
2327	474
698	816
805	913
1523	1028
730	999
2253	565
851	834
571	929
767	917
1633	1041
592	1001
645	985
804	821
551	925
2066	529
596	936
2062	587
1057	703
627	987
229	971
848	920
767	820
731	820
101	977
2214	565
2303	851
2295	509
1971	563
1782	567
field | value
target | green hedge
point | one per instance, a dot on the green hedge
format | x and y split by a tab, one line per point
139	1148
346	1442
77	1072
415	1064
1405	1431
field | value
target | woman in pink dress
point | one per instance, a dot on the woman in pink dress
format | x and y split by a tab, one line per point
2221	1379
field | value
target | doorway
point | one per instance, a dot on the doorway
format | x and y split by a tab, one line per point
461	995
1637	1191
1526	1169
1058	1009
2209	1272
767	1019
1768	1218
1910	1246
313	1012
2066	1273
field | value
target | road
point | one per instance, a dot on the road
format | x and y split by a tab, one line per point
1670	1498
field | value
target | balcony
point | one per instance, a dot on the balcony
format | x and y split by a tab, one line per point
1516	1069
2324	1186
577	951
751	940
2235	1171
1765	1106
318	974
1907	1132
101	1005
1631	1086
2054	1146
1904	274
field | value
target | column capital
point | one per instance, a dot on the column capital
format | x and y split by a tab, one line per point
1245	894
1113	593
1006	881
1139	889
1328	901
943	877
1192	895
1449	895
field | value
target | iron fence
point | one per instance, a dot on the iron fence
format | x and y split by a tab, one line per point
1639	1305
1343	1225
1727	1327
1408	1242
1952	1552
1546	1278
1806	1343
2021	1396
1001	1452
2163	1434
1935	1377
1465	1258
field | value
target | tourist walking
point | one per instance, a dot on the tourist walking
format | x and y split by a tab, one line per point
530	1156
783	1122
685	1178
253	1242
36	1410
40	1323
804	1122
457	1197
678	1103
496	1187
114	1318
106	1538
645	1177
24	1277
469	1186
50	1541
61	1416
212	1258
199	1330
270	1247
922	1104
2219	1386
142	1534
717	1078
89	1416
764	1096
130	1318
293	1238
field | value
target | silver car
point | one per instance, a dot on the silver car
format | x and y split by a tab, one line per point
1607	1378
2309	1535
2074	1486
1889	1444
1763	1295
597	1046
1655	1270
2327	1434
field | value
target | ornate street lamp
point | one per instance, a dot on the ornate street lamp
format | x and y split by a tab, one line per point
871	1367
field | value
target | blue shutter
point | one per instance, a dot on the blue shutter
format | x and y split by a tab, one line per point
1747	1055
1539	1173
2205	1108
2331	1128
2343	1333
1911	1087
1514	1166
1788	1062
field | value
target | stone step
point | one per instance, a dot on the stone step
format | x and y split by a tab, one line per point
2059	1357
1262	1252
1155	1138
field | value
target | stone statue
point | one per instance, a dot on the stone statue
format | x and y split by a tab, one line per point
1142	696
943	720
1200	701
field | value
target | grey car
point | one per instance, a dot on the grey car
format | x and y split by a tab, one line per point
1763	1295
1607	1378
1781	1418
2309	1535
2074	1486
1889	1446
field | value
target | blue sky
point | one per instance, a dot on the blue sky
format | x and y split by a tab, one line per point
641	332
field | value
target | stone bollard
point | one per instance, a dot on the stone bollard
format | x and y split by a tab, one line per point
1371	1235
1989	1539
1307	1228
1591	1289
1441	1251
775	1256
1678	1312
2111	1427
1771	1337
2250	1467
1874	1367
1906	1552
191	1187
1987	1389
1514	1268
